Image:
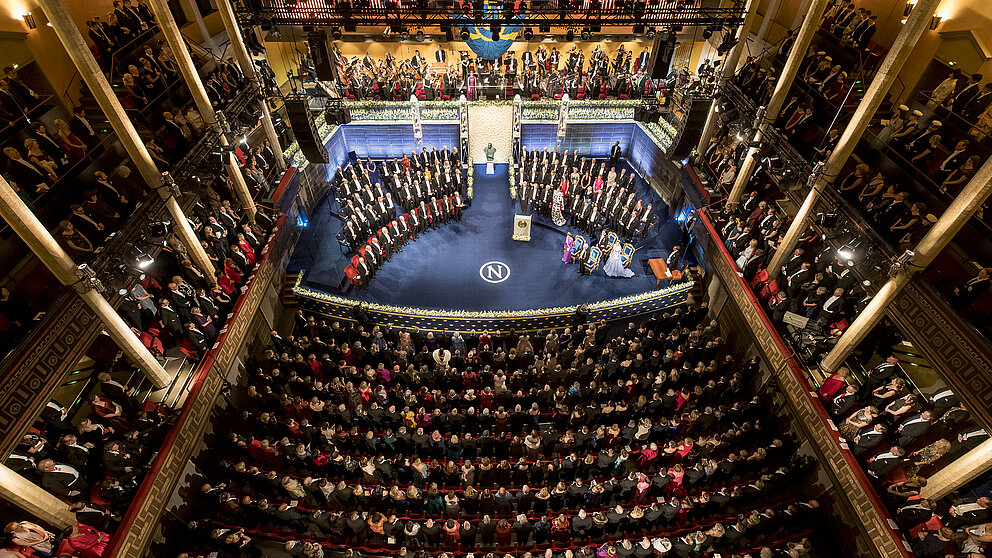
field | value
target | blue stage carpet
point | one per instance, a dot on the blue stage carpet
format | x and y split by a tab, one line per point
441	269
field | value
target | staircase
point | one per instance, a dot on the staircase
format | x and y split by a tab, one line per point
286	295
93	112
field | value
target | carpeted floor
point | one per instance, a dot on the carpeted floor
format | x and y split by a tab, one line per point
441	269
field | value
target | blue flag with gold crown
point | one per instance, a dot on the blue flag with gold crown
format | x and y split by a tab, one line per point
481	39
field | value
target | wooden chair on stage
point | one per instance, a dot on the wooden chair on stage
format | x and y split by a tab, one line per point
595	255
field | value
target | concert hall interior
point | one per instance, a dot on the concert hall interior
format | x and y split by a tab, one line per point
496	278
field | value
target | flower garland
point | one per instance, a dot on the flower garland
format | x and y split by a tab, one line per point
470	188
513	179
300	290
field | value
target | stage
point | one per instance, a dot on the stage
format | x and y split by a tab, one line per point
474	268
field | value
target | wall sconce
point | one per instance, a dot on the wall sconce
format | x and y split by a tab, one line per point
908	7
29	20
935	22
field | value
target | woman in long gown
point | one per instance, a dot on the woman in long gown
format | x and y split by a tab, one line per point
557	205
569	242
613	267
834	383
471	87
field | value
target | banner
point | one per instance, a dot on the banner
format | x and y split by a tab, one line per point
481	39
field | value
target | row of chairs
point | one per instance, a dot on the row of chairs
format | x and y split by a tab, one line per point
596	254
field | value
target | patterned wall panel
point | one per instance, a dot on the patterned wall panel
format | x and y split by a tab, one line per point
838	462
337	149
949	343
392	140
588	138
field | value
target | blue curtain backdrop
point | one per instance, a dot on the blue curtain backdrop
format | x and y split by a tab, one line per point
481	39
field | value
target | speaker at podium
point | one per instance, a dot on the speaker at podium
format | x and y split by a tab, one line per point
521	227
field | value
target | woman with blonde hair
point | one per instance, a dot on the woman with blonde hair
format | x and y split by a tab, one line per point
40	159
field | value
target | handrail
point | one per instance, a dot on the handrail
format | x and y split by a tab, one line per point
805	396
128	45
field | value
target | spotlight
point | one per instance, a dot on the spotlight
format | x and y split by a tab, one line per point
336	33
569	36
707	33
495	30
404	35
528	33
651	33
847	254
729	41
586	34
158	229
464	34
827	220
420	36
143	260
29	20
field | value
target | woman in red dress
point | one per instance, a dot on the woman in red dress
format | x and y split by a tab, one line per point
832	385
85	542
232	271
225	284
246	248
70	143
110	413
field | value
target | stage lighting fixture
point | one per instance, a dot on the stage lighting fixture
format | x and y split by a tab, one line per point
158	229
707	33
495	30
569	36
729	40
464	34
827	220
420	36
847	254
638	29
404	35
651	33
336	33
544	28
586	34
528	33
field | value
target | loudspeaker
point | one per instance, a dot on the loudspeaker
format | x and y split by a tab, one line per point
301	119
695	120
322	61
666	53
448	34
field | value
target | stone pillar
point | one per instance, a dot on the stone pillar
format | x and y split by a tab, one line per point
34	499
779	95
959	472
72	40
888	71
957	214
170	30
194	10
43	244
769	18
729	67
248	68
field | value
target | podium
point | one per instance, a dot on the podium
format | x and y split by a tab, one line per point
521	227
490	168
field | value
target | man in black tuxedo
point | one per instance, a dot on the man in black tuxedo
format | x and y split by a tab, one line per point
869	437
674	258
23	172
63	480
878	376
117	392
911	515
881	464
913	427
103	41
169	318
92	514
615	153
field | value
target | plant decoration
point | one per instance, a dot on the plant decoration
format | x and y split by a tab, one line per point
470	189
513	180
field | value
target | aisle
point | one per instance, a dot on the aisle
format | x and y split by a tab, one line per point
444	268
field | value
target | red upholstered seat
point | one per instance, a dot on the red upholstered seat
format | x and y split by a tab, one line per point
352	274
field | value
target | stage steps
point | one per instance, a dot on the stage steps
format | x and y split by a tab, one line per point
286	296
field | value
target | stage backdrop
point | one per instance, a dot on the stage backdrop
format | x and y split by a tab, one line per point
393	140
490	124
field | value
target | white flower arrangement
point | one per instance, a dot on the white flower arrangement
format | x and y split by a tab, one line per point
306	292
439	113
470	187
513	179
539	113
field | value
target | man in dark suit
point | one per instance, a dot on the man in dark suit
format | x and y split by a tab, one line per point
615	153
82	128
169	318
913	427
103	41
29	177
911	515
674	258
881	464
117	392
970	511
63	480
94	515
868	438
878	375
